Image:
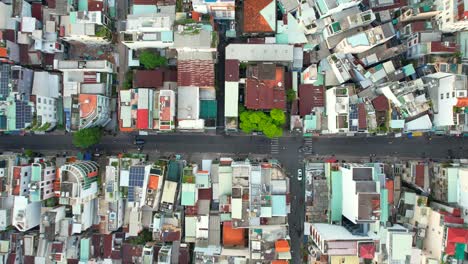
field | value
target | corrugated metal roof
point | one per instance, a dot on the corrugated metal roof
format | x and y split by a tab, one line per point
196	73
208	109
142	118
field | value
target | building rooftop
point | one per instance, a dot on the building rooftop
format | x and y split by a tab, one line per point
310	96
259	16
196	73
265	87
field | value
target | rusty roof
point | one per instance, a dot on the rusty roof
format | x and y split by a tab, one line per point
362	116
148	78
253	19
381	103
310	96
265	94
196	73
232	70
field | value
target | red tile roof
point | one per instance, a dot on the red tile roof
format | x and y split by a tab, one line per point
233	236
253	20
418	26
366	251
439	46
36	11
419	179
310	96
266	94
204	194
195	73
142	118
148	78
454	236
170	236
232	70
362	116
95	5
381	103
129	251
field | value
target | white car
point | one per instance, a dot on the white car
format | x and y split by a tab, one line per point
299	174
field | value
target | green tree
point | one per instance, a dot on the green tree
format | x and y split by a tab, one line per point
151	60
290	95
245	116
128	83
87	137
278	116
271	131
247	127
29	153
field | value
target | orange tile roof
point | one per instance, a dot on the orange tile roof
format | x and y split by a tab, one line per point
231	236
279	262
282	245
153	182
3	53
253	20
88	104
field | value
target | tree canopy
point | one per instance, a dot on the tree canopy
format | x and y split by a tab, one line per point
270	125
87	137
151	60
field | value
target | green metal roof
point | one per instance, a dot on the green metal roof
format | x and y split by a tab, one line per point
83	5
384	205
173	171
208	109
336	196
278	204
188	194
84	249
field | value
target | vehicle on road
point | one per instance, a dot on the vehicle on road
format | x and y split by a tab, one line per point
138	141
299	174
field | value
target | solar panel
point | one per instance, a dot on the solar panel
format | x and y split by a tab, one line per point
137	176
23	114
4	80
353	115
131	194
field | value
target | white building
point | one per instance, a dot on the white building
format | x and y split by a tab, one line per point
79	189
445	90
366	40
219	9
361	200
41	186
26	215
453	16
86	26
46	97
337	110
329	7
149	30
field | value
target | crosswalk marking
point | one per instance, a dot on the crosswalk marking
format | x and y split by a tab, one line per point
274	146
308	146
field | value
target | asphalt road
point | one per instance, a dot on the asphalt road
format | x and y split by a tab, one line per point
341	147
437	148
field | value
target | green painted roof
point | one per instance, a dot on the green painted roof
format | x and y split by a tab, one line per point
173	171
336	26
358	40
82	5
144	9
322	6
208	109
35	173
460	251
84	249
188	194
336	196
278	204
409	70
310	123
281	38
384	205
452	184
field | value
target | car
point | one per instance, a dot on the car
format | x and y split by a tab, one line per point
299	174
138	141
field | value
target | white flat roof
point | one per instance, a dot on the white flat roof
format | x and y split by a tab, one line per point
260	52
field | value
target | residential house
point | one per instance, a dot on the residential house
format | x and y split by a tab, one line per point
419	47
86	91
366	40
265	87
79	189
218	9
45	98
452	16
146	109
89	24
327	8
149	30
337	109
41	186
446	91
259	17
